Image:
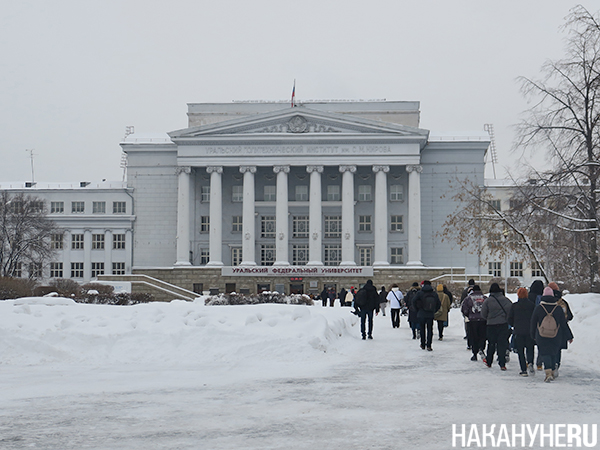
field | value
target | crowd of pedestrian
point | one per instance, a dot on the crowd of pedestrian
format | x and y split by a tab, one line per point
494	325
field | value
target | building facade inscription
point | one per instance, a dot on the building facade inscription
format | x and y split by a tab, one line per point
298	150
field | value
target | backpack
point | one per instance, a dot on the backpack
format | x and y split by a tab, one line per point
361	298
548	328
429	303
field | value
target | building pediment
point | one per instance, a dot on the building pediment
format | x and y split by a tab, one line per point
298	121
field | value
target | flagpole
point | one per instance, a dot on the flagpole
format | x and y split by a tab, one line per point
294	94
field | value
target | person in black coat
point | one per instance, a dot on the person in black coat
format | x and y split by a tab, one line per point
372	304
519	317
409	301
549	347
425	314
535	292
342	297
560	301
324	296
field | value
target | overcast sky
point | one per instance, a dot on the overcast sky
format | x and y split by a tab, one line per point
74	74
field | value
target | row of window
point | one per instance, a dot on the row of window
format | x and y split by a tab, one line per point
77	268
396	193
332	255
57	241
78	207
300	225
516	269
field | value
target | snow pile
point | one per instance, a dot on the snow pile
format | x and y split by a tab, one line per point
40	330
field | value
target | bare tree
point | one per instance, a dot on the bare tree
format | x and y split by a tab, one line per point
565	121
25	234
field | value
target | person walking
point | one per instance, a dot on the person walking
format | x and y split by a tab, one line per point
367	301
535	295
568	317
471	310
324	296
549	332
495	311
467	291
350	300
519	317
395	298
331	296
409	300
382	300
342	297
427	303
441	315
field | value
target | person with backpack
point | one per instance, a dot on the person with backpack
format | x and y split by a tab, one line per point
471	310
519	317
549	328
409	300
495	310
382	300
568	316
395	298
535	295
441	315
427	303
467	291
367	301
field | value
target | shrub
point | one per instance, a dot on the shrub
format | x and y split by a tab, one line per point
15	287
67	288
264	297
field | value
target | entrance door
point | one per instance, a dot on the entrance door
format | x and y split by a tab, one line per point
296	289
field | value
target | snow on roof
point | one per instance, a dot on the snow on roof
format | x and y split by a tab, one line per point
479	136
38	186
147	138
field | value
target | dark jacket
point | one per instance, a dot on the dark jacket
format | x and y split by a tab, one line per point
549	345
535	291
471	306
426	290
409	301
495	309
519	316
372	297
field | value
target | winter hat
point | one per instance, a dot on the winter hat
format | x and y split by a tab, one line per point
476	288
495	288
554	286
522	293
548	291
440	288
415	284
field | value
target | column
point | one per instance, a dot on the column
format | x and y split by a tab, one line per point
281	217
128	250
216	216
381	216
67	254
348	215
87	255
414	215
315	217
248	236
108	247
183	216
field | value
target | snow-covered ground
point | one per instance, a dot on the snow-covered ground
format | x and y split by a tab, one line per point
182	375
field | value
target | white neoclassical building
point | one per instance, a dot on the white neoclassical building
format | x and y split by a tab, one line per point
264	195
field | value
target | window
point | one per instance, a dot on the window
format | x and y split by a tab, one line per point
56	241
77	207
364	223
97	269
204	256
76	270
237	194
37	206
99	207
119	207
299	255
396	193
18	273
118	241
57	207
536	270
77	241
300	226
205	194
270	193
495	268
396	224
236	256
516	269
333	255
35	270
301	193
364	254
397	255
198	288
333	226
267	226
267	255
364	193
118	268
237	224
56	270
97	242
333	193
205	224
496	204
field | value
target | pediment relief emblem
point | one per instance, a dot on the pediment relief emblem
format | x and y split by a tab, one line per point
297	124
